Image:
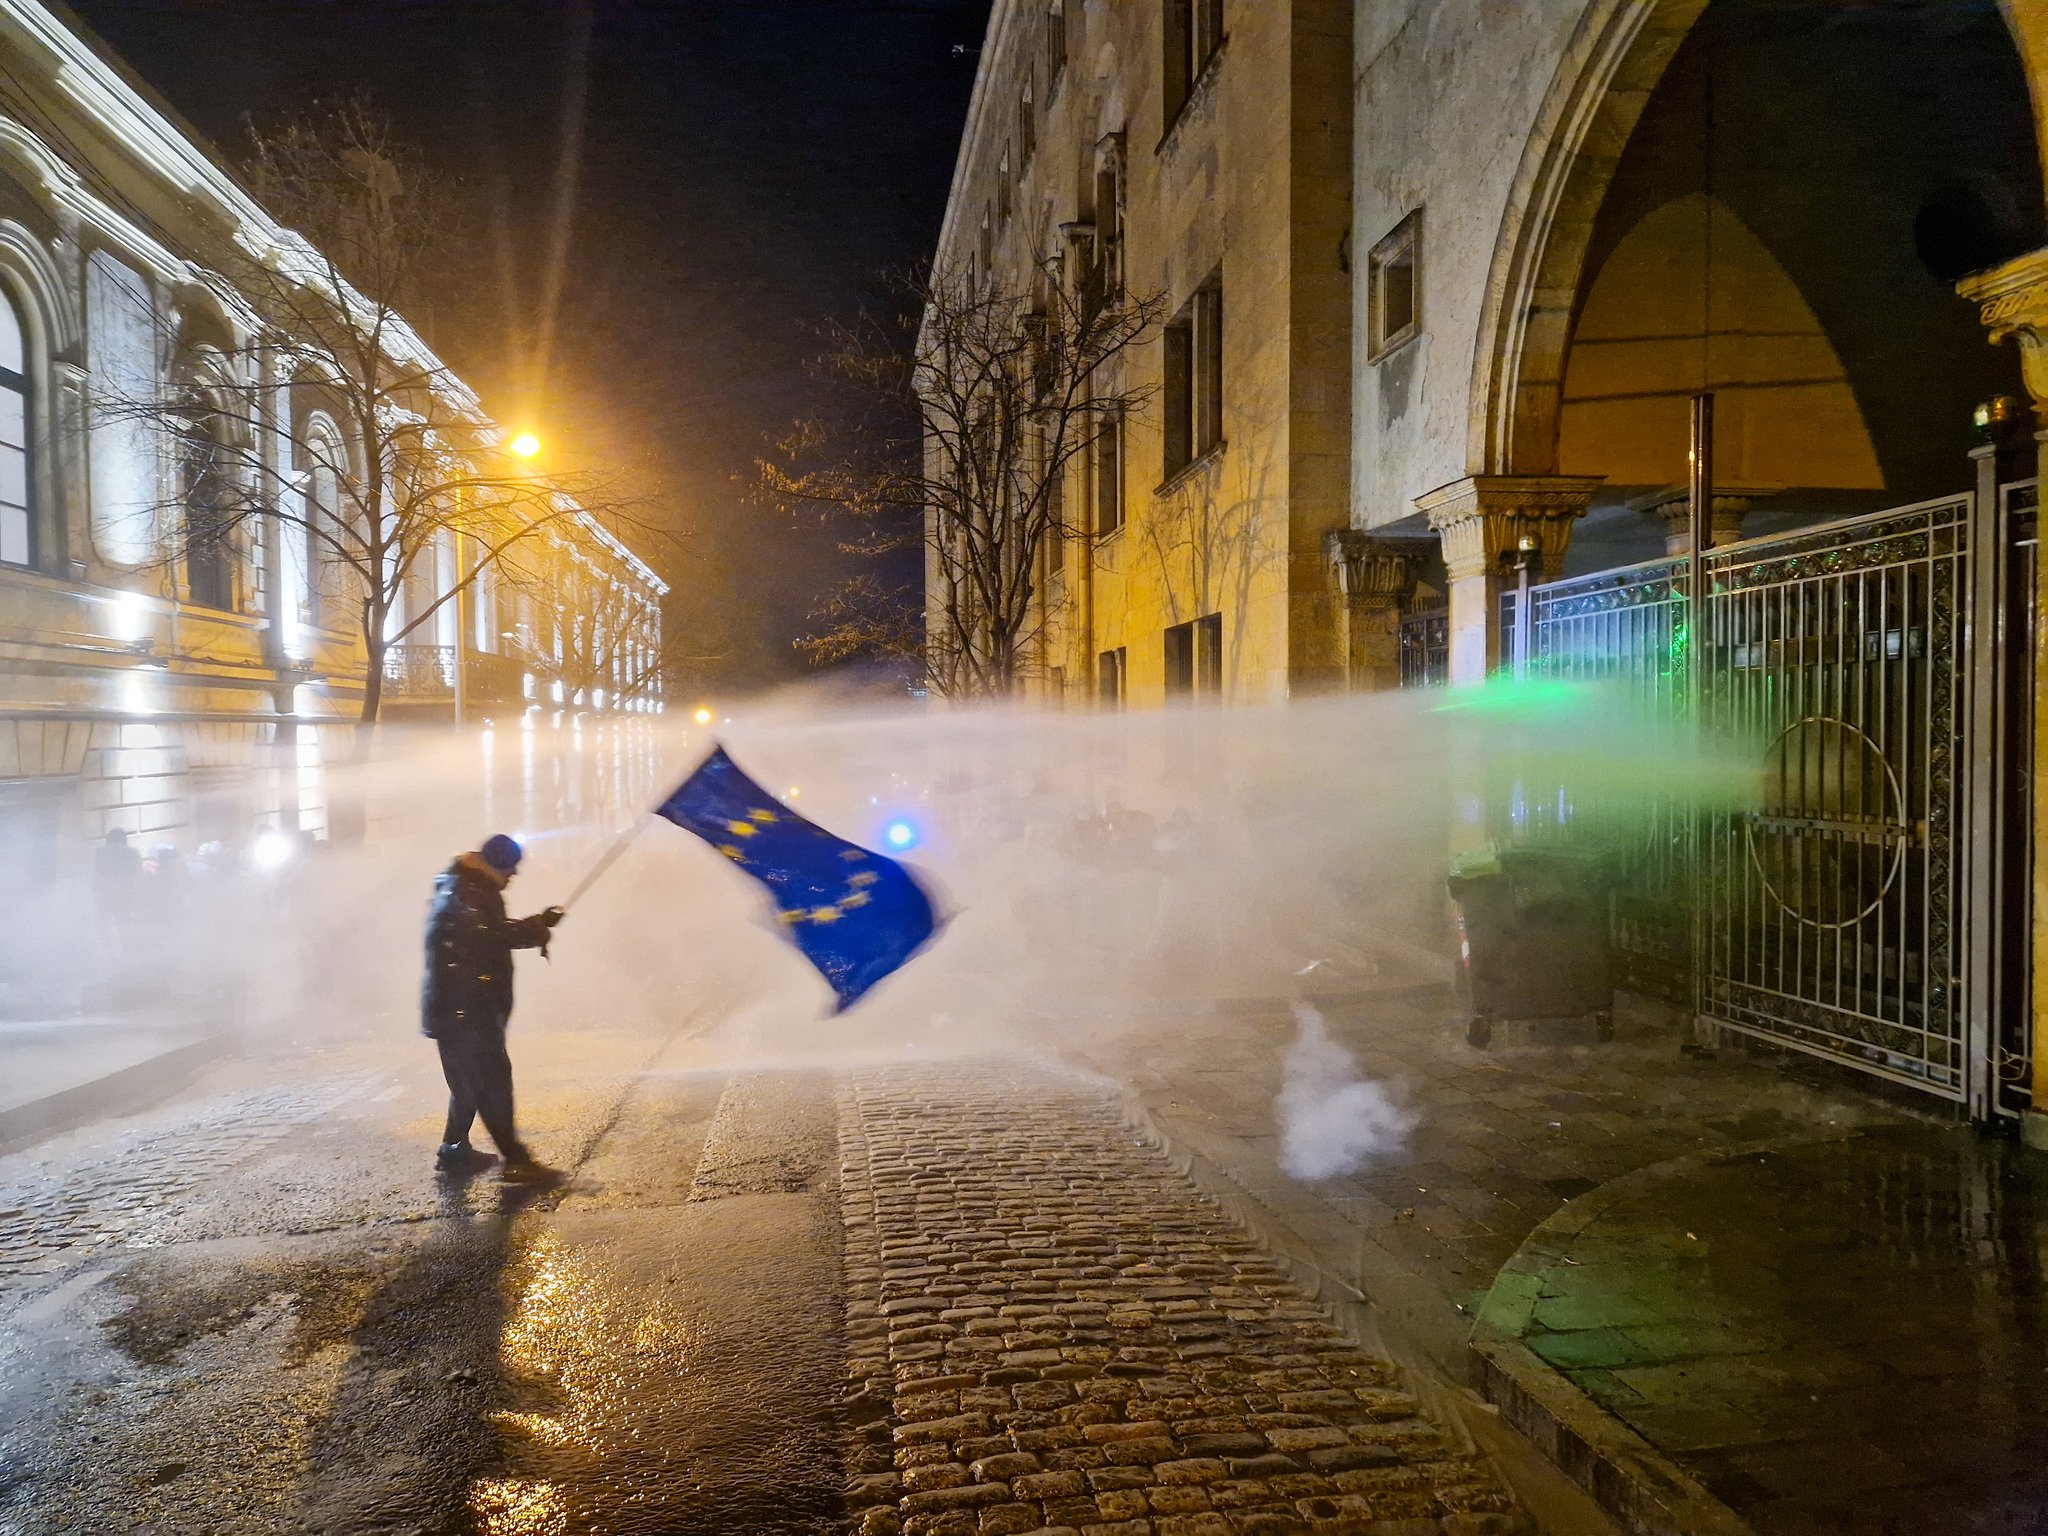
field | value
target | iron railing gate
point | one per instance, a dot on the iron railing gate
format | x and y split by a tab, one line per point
1867	906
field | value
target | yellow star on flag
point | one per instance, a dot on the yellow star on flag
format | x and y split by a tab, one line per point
731	851
741	828
824	914
763	817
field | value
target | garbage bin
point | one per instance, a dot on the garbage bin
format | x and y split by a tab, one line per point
1532	939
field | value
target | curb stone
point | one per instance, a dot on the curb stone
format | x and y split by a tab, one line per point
131	1087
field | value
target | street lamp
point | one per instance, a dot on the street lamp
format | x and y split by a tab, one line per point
525	445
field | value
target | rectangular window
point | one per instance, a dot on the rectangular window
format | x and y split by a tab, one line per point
1003	174
1194	658
1208	364
1027	123
1109	677
1109	214
1193	32
122	447
1055	515
17	529
1109	475
1209	655
1180	660
1393	289
1055	42
1193	394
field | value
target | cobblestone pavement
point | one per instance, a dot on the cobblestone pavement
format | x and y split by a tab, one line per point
52	1221
1051	1330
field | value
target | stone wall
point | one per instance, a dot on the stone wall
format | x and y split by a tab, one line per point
1249	183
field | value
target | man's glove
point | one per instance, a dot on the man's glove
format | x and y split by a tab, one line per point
554	915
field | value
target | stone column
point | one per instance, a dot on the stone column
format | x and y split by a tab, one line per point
1482	521
2012	301
1371	581
1673	507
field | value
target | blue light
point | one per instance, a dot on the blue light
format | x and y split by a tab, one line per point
900	834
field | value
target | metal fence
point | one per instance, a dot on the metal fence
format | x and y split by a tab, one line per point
1868	905
427	672
1425	648
1829	921
417	671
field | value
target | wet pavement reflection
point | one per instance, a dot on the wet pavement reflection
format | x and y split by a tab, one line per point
312	1333
1838	1336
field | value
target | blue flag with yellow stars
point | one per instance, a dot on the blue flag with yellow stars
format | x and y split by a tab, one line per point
856	915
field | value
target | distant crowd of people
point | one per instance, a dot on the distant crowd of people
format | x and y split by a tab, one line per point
191	924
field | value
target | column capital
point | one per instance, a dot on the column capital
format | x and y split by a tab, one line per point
2012	300
1726	509
1482	519
1371	573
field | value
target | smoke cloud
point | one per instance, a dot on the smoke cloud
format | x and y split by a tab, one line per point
1331	1119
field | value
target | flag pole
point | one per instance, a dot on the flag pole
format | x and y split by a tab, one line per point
611	855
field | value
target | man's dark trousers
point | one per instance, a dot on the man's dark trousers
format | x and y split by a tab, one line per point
479	1074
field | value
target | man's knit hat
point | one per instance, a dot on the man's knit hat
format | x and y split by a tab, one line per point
502	853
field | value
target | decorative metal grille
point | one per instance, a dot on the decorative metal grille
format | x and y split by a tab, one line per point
1832	913
1830	910
1426	648
416	671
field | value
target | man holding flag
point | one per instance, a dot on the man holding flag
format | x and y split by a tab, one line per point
466	1002
856	915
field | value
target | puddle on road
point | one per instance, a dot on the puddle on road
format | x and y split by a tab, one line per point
171	1306
674	1380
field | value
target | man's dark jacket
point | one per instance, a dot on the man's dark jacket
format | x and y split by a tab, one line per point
469	951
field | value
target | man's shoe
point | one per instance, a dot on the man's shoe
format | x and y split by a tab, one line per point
461	1157
524	1170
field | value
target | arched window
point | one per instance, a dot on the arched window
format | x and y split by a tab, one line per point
17	513
320	515
209	516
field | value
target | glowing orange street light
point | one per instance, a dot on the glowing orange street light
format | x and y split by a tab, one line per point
526	445
702	717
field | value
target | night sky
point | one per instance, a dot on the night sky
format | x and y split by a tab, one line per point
748	171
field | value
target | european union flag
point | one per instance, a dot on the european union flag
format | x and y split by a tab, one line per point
856	915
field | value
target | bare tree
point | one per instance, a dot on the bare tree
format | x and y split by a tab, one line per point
314	413
965	450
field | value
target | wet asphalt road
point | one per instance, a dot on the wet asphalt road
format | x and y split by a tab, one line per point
258	1309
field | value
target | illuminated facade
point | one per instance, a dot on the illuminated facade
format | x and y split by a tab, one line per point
200	692
1200	153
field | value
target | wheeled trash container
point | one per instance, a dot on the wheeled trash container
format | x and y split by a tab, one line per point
1532	939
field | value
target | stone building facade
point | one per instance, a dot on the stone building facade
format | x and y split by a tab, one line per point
1202	151
199	694
1621	203
1473	262
1470	262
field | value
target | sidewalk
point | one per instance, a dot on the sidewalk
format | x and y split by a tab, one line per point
1724	1293
56	1073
